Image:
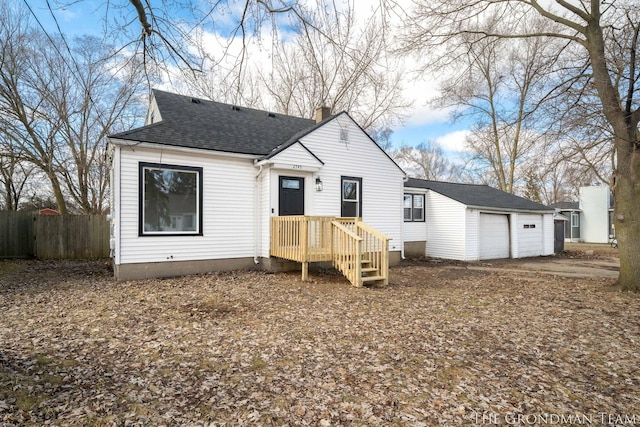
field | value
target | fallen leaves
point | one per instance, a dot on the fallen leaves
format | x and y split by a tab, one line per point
438	346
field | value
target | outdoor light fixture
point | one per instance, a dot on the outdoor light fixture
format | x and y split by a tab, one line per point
318	184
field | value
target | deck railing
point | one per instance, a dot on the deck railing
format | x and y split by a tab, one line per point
347	253
346	242
375	249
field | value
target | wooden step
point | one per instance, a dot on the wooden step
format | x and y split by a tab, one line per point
369	269
372	278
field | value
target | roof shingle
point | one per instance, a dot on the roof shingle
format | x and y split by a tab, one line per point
478	195
210	125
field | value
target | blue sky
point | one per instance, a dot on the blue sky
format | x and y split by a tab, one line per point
422	123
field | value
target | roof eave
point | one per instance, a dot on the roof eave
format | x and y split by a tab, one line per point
153	145
518	210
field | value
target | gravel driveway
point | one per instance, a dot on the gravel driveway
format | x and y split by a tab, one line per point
443	344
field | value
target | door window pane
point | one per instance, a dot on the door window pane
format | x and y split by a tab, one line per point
291	184
350	190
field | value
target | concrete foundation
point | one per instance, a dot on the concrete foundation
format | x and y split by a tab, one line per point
149	270
152	270
415	249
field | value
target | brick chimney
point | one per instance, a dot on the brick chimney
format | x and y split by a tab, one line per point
322	112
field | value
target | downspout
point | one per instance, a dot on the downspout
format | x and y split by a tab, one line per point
402	257
256	211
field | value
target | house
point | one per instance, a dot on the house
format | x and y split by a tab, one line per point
48	211
208	186
560	223
473	222
571	211
591	217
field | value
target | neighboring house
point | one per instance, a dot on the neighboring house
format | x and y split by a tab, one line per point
203	185
473	222
560	224
571	211
48	211
596	204
591	217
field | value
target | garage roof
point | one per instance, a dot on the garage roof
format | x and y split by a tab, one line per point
478	196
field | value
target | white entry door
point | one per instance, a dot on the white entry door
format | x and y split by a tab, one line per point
494	236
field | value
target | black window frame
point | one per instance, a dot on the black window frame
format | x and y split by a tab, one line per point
199	197
413	208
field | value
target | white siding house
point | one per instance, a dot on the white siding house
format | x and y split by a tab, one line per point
194	189
476	222
590	219
596	215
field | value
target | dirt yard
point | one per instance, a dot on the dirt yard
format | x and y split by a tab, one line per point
446	343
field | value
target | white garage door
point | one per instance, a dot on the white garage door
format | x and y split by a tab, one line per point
529	235
494	236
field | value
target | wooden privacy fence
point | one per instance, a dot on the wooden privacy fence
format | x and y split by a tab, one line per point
24	235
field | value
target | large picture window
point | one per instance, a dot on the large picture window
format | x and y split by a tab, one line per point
413	207
170	200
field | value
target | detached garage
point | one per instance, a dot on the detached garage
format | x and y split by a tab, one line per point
474	222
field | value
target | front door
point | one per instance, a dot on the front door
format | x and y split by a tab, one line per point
291	196
351	197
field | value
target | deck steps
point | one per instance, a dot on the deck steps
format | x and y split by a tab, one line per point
370	274
372	278
357	250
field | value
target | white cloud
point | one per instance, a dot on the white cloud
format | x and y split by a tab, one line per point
454	141
426	115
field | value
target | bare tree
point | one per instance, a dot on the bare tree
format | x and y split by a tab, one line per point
334	61
341	66
426	161
14	177
58	105
382	137
606	36
500	86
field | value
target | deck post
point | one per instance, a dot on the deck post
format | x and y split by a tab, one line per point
358	263
304	243
385	262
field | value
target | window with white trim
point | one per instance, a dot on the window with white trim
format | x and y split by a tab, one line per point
413	207
170	200
575	219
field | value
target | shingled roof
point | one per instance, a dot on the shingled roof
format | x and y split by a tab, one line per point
197	123
566	206
478	196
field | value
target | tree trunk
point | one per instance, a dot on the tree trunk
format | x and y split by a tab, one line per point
627	218
57	192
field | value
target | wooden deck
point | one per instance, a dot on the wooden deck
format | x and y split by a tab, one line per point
357	250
